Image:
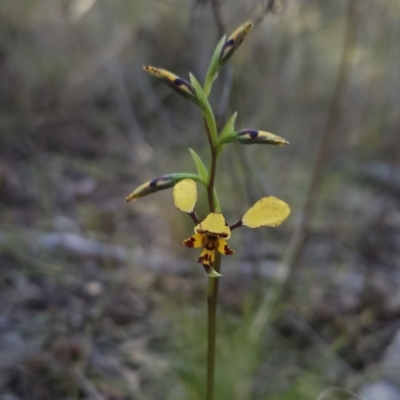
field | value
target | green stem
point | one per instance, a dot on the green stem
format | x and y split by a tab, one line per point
211	180
212	300
213	283
213	169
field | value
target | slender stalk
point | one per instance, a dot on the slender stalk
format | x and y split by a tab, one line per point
213	168
213	283
211	180
212	300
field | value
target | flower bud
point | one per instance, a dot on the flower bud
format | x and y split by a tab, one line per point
252	136
181	86
160	183
234	41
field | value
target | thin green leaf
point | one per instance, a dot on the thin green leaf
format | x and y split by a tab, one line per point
201	168
206	108
214	67
229	127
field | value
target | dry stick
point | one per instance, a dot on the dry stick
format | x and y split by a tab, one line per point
302	232
268	7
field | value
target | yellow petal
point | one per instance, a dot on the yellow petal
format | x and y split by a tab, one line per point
223	247
214	224
194	241
207	257
269	211
185	195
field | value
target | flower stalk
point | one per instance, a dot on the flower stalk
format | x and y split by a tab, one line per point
212	301
213	284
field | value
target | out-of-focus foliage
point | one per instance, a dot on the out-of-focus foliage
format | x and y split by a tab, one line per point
98	298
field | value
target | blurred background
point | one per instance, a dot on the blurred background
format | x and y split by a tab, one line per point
99	299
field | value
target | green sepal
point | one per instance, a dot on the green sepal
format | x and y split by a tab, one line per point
160	183
213	69
206	108
201	168
213	273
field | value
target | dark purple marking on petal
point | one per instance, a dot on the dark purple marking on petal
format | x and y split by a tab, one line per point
251	132
210	245
160	180
227	47
179	82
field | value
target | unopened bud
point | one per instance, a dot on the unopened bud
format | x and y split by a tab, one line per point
181	86
160	183
234	41
252	136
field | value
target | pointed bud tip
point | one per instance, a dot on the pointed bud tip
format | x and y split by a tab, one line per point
234	41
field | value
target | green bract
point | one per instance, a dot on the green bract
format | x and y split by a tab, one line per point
201	168
206	108
214	67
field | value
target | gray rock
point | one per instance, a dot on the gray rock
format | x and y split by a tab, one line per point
383	174
12	349
380	390
390	364
9	396
80	246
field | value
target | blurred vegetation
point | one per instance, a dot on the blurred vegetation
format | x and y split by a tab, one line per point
99	300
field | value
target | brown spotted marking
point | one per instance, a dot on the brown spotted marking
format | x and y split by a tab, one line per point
206	259
189	242
210	245
227	250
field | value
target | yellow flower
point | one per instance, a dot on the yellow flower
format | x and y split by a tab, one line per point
212	233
